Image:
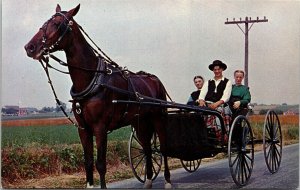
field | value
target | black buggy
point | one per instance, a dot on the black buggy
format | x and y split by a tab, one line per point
194	133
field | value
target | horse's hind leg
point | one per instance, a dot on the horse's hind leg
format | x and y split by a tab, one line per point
149	164
160	130
144	133
167	174
86	138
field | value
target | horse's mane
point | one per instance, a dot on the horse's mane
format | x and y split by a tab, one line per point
145	73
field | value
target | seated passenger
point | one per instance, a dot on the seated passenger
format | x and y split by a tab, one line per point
240	96
216	90
198	81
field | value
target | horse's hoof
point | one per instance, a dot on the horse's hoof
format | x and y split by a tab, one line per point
88	186
148	184
168	185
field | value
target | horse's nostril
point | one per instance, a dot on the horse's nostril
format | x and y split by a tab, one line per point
30	48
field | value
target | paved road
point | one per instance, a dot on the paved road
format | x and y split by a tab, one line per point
216	175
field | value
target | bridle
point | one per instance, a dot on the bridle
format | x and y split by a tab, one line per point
65	26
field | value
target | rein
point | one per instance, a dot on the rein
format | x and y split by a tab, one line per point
45	67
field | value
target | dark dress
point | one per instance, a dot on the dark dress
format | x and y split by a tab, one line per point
192	99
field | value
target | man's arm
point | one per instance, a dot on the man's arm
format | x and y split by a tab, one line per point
227	92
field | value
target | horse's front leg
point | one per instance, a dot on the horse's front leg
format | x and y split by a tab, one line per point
86	138
101	141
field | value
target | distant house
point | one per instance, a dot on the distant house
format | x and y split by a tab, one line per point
16	110
10	110
291	112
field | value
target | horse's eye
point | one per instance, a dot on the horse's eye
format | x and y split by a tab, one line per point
56	25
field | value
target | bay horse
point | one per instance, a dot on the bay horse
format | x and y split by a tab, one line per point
96	83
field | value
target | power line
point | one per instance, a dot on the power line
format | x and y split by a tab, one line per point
247	21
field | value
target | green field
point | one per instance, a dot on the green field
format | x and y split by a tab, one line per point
51	135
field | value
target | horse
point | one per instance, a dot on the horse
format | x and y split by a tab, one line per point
96	83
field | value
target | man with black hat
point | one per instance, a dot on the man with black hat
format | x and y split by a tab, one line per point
218	89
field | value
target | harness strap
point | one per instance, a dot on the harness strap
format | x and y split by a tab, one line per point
148	98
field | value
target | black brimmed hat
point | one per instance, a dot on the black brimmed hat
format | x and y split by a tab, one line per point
217	63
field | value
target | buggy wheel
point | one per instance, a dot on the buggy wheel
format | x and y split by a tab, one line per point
272	141
241	151
190	166
137	157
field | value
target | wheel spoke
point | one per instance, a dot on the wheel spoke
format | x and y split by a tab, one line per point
137	156
138	163
247	156
153	168
246	163
234	161
157	163
135	138
237	166
277	151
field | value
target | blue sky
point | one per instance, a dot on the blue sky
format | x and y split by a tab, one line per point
174	40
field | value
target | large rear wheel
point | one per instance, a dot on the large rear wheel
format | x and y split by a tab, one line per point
272	141
137	157
241	150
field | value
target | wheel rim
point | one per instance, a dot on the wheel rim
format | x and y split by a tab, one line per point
137	157
272	141
241	151
190	166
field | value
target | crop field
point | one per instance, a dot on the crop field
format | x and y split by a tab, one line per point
53	131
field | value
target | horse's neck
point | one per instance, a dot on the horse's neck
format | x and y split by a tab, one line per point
80	55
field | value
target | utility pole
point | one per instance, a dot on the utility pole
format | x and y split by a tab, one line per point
247	21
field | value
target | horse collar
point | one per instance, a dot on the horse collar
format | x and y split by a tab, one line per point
94	84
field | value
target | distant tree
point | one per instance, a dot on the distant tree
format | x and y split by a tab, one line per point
284	104
279	112
263	112
47	109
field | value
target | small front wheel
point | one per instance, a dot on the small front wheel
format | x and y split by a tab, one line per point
190	166
137	157
241	150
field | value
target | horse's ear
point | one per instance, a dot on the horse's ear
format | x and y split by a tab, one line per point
58	9
74	11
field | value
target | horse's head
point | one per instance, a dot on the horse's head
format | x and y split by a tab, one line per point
51	35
